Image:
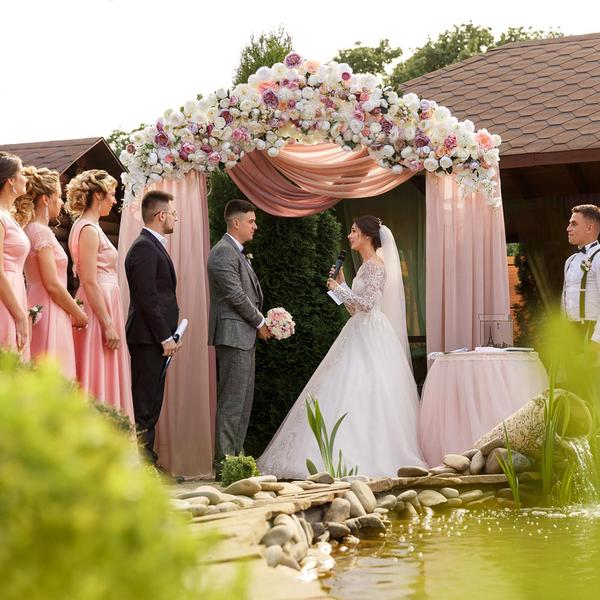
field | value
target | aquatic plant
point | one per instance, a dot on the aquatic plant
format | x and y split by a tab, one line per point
508	468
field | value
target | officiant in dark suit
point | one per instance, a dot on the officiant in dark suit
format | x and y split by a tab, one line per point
235	322
153	313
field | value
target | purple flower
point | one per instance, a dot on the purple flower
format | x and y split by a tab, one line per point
159	126
415	165
346	76
161	139
209	128
206	148
421	139
291	103
130	148
293	59
450	141
193	127
474	165
386	126
227	116
270	98
185	150
274	123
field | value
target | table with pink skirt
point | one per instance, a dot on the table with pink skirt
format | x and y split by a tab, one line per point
468	393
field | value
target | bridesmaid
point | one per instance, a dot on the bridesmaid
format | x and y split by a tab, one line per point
46	271
101	355
14	247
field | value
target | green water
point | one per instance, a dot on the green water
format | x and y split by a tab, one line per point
487	555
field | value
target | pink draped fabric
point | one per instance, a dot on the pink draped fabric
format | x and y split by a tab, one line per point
466	266
304	180
466	395
185	429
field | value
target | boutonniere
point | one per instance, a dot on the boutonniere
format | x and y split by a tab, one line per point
249	256
586	265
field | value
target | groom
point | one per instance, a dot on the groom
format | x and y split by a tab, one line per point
153	313
235	320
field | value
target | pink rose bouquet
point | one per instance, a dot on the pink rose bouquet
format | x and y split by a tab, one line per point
280	323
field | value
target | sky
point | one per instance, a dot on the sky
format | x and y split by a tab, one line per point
81	68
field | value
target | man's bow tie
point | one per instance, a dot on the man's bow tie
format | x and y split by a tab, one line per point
243	250
583	250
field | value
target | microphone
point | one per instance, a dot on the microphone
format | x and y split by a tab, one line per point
338	263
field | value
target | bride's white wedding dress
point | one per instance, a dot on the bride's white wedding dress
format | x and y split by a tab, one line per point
367	374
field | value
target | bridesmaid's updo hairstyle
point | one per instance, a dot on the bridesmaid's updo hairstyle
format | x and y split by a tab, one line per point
369	226
39	182
9	166
80	190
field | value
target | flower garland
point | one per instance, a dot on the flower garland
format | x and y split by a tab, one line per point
303	101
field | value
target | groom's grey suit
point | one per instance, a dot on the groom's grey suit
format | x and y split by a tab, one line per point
235	314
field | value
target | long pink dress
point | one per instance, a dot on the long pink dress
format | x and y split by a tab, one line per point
16	248
53	334
104	373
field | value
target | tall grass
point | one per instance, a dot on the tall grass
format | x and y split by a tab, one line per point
508	468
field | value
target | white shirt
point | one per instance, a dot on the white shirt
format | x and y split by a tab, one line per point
161	238
571	289
240	247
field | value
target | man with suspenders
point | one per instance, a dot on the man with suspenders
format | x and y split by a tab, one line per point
581	291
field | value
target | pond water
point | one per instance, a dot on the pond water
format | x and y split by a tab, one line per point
487	555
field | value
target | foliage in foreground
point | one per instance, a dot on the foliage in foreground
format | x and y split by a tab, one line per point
79	516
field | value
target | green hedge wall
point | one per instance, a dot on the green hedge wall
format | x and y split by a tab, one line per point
292	258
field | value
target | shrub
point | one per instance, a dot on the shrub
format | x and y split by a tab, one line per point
238	467
79	517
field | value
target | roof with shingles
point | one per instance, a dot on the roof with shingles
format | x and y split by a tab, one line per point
57	155
539	96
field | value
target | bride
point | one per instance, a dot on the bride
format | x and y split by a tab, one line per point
366	373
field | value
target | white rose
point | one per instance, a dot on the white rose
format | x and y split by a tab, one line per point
221	93
397	169
260	144
279	70
497	140
368	106
152	158
356	125
356	138
375	127
190	106
137	138
492	156
392	98
411	101
253	81
308	93
313	81
245	106
264	74
409	133
445	162
272	151
469	126
407	152
463	153
388	151
271	137
219	122
154	177
431	164
325	125
224	103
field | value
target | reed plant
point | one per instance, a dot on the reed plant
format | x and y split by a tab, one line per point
508	468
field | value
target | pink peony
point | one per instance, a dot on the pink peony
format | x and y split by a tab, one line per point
185	150
214	158
240	134
292	60
227	116
346	76
233	100
484	139
206	148
161	139
130	148
386	126
450	141
270	98
421	139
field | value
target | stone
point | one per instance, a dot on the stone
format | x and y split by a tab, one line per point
352	525
491	445
449	492
280	534
288	561
264	495
505	492
388	502
321	478
412	472
338	530
453	503
308	531
400	505
407	495
365	495
506	503
443	470
271	486
351	540
243	487
274	554
299	551
318	529
520	462
205	491
288	521
477	463
381	511
180	505
351	478
471	495
199	510
456	461
470	453
370	522
263	478
212	510
289	489
301	535
304	485
356	508
431	498
324	537
482	502
411	511
338	511
227	507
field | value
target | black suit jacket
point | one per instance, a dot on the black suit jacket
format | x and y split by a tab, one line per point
153	311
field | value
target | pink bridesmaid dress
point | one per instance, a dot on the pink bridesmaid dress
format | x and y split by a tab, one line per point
102	372
52	335
16	249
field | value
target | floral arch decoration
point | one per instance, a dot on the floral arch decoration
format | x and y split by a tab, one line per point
303	101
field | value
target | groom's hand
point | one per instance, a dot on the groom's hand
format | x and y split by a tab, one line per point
264	333
169	347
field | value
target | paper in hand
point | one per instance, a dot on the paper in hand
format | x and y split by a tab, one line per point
177	338
334	297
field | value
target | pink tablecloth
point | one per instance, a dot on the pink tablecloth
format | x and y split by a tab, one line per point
467	394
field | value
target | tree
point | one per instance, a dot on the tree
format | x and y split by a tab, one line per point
364	59
118	139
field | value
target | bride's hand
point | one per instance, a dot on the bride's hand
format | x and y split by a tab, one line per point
340	276
332	284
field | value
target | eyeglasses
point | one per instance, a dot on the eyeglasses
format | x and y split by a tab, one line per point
167	212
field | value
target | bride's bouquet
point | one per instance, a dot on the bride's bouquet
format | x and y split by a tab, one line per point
280	323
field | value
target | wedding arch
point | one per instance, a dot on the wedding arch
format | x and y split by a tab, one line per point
297	138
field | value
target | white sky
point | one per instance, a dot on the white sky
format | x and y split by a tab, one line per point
81	68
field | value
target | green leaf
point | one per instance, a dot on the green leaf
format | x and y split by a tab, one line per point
310	465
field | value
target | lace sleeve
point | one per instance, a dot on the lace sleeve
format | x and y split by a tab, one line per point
40	237
372	275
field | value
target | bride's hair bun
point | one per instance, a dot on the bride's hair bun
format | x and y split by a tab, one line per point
369	225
